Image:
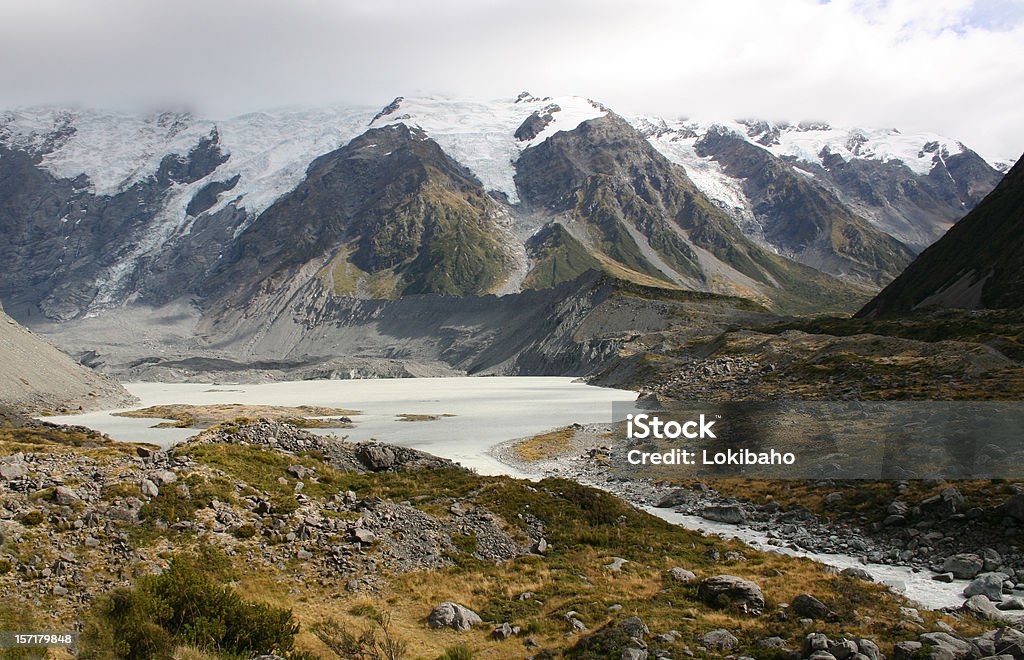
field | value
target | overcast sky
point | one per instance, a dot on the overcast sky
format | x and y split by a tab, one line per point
952	66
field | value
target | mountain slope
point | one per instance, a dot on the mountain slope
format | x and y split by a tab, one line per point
804	220
388	214
618	196
979	263
912	186
36	377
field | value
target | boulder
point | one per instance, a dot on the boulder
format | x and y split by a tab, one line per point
376	458
1010	641
958	649
1014	507
635	627
981	607
505	631
12	471
726	513
148	488
64	496
963	566
719	639
453	615
163	477
989	585
731	591
678	574
808	606
858	573
674	498
1011	604
633	654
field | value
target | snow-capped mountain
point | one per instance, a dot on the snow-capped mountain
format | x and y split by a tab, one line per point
101	210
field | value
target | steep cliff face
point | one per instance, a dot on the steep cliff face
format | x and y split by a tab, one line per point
978	264
35	377
68	248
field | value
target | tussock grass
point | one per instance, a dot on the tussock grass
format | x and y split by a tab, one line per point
546	445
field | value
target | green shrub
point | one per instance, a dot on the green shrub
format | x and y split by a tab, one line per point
246	531
184	605
32	518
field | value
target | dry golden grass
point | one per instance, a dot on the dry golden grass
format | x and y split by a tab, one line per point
205	416
416	417
545	445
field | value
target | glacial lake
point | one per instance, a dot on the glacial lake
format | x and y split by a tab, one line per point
485	411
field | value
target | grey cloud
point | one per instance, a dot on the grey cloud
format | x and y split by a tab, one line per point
845	61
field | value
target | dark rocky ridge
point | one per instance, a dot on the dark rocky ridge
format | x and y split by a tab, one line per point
803	219
979	263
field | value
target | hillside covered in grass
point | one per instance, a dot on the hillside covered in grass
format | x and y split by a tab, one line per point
307	547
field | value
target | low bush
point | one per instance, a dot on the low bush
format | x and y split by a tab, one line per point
184	605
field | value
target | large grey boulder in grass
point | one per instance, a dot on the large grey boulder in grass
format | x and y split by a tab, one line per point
453	615
732	591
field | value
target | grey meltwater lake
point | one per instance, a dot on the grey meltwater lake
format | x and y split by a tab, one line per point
486	411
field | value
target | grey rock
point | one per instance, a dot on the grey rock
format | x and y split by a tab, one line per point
505	631
815	642
12	471
955	647
720	640
615	564
1014	507
726	513
633	654
148	488
809	606
858	573
453	615
635	627
375	457
1011	604
989	585
163	477
993	560
943	577
1010	641
678	574
981	607
911	614
364	536
772	643
729	590
843	649
869	649
907	650
963	566
64	496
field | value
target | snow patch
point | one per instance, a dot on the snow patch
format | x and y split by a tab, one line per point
480	135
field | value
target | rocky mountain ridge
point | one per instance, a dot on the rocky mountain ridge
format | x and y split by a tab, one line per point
976	265
267	231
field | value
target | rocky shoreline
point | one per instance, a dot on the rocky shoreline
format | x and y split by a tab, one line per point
934	535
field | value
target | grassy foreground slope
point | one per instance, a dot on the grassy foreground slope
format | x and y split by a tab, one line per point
301	541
